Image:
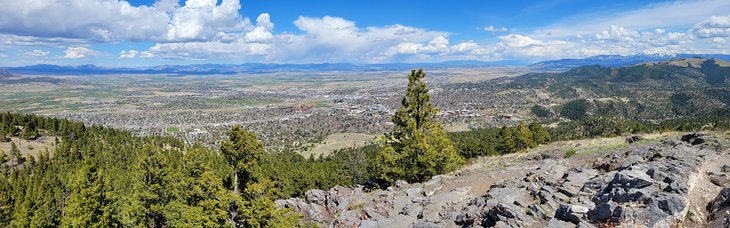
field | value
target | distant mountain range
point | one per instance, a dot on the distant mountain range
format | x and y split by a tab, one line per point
254	68
4	73
207	69
616	60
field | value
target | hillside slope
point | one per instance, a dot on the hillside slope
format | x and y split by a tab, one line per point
662	181
616	60
656	90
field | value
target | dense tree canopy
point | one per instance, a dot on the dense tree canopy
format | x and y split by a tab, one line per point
100	177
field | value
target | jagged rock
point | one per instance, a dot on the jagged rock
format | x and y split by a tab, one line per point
412	209
578	209
316	196
719	209
696	139
629	179
348	219
608	165
414	192
721	201
565	213
671	142
690	136
677	187
426	224
670	204
645	186
600	213
725	168
721	180
630	161
632	138
504	213
467	216
400	184
556	223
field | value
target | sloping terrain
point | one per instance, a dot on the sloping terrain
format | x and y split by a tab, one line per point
616	60
9	78
658	90
660	181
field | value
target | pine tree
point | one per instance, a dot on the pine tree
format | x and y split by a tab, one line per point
523	137
4	135
88	204
152	187
204	193
253	207
243	151
259	209
30	132
15	154
539	134
6	201
418	147
506	141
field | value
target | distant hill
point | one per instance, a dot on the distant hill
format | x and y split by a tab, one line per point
4	73
652	90
688	62
207	69
10	78
616	60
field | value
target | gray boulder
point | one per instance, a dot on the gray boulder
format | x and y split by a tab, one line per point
565	213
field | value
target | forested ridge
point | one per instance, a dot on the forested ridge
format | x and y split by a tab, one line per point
101	177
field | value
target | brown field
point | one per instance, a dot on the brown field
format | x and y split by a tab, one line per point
338	141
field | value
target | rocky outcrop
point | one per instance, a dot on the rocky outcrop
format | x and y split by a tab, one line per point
719	209
645	186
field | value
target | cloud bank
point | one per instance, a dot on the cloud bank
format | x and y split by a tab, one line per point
206	30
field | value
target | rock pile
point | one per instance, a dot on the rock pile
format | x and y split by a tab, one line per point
646	186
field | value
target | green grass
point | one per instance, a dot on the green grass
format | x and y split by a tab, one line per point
569	153
172	130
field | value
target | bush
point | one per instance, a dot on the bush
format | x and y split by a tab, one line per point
541	112
569	153
575	110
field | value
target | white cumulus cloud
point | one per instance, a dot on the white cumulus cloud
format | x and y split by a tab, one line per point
715	26
716	40
128	54
37	53
78	53
203	19
495	29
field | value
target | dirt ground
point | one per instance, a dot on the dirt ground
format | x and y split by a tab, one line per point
338	141
29	147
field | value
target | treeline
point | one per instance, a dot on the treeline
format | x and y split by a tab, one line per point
498	141
611	126
101	177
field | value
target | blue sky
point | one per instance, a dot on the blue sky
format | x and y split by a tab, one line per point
145	32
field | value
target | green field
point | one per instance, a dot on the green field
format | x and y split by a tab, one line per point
172	130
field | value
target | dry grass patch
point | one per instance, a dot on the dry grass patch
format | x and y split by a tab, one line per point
338	141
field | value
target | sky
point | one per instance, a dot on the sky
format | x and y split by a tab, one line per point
118	33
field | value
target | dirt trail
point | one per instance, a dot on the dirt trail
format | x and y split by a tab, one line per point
702	190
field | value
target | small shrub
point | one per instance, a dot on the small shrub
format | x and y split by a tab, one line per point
569	153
